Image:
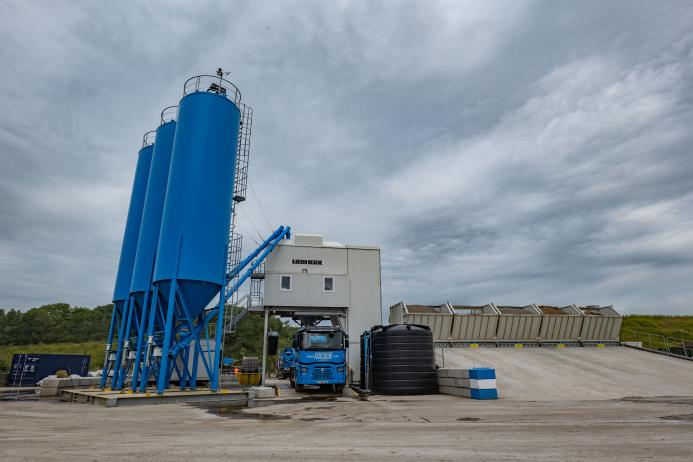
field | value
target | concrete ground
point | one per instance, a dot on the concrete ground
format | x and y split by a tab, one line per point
597	404
573	373
438	427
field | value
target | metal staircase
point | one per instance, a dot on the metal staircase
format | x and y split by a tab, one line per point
256	282
235	313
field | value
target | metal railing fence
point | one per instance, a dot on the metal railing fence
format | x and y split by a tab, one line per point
672	346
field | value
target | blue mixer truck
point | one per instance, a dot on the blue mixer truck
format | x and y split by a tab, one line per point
320	358
287	361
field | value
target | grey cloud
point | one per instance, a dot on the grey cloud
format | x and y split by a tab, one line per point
514	152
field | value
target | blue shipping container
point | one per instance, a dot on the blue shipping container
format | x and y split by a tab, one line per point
27	369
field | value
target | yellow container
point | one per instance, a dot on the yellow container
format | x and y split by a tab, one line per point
248	378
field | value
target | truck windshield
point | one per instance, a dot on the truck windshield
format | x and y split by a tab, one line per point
322	340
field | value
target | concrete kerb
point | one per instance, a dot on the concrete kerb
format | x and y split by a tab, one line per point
475	383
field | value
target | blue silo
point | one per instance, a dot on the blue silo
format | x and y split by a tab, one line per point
149	233
195	226
192	250
130	238
133	225
153	209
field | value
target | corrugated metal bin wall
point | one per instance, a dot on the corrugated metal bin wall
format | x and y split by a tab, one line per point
397	313
600	324
519	327
440	324
474	327
561	327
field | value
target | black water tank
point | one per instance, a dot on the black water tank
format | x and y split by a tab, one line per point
403	360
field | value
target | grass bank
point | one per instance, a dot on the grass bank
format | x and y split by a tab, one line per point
669	326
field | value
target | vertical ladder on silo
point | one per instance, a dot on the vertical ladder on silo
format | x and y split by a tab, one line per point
233	304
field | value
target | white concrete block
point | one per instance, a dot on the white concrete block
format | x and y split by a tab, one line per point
454	391
458	373
444	390
50	383
443	373
446	381
264	392
482	384
48	391
462	383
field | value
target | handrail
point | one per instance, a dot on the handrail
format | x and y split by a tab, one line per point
660	343
169	114
212	84
148	138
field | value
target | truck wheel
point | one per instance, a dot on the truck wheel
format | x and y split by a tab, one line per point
298	387
339	388
291	381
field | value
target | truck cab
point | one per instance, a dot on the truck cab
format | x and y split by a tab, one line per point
320	358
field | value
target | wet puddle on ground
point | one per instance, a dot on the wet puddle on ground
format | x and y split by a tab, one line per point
680	418
237	410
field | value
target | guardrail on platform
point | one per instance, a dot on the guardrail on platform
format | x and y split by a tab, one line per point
671	346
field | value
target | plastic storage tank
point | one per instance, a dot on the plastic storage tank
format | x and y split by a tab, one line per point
195	225
437	317
402	360
132	226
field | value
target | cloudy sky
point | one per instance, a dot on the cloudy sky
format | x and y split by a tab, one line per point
506	151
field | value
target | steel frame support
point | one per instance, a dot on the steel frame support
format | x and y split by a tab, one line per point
154	302
164	374
140	339
264	347
121	341
180	332
109	342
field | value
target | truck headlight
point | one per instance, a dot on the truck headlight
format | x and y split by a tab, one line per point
340	369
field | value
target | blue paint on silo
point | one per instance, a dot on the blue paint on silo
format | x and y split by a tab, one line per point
195	226
153	210
149	238
132	228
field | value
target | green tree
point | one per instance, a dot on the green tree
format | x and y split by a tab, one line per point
247	340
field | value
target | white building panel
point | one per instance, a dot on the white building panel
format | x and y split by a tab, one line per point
295	279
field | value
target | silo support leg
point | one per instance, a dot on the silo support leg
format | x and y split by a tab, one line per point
140	343
123	351
121	340
164	366
194	335
104	373
219	338
154	302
